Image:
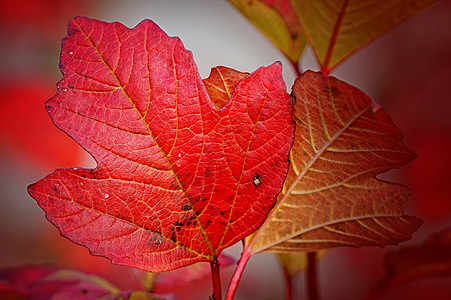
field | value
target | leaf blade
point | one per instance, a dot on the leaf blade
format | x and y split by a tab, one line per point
331	196
339	28
279	22
173	183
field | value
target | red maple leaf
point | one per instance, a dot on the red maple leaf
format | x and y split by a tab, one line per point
178	180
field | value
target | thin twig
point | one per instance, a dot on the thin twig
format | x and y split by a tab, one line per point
217	294
238	273
312	277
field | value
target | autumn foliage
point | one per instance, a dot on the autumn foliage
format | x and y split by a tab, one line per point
175	182
188	167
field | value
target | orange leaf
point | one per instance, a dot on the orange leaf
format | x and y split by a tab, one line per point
331	196
335	29
277	20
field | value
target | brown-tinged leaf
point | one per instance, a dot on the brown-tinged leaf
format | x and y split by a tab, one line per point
335	29
331	196
278	21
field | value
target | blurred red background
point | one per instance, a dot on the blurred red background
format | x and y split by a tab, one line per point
407	71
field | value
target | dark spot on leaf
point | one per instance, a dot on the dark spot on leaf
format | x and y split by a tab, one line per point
208	223
179	223
188	223
55	189
120	216
186	207
195	223
338	228
172	228
256	180
333	91
222	212
294	35
178	228
192	217
84	291
204	199
173	237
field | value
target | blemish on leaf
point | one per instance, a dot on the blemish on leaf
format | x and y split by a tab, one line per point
173	237
186	207
256	180
338	228
333	91
179	223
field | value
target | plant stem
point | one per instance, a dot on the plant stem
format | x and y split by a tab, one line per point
288	283
296	68
325	66
238	273
312	277
217	294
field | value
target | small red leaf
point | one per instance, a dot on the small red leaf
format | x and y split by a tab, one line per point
174	183
45	282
